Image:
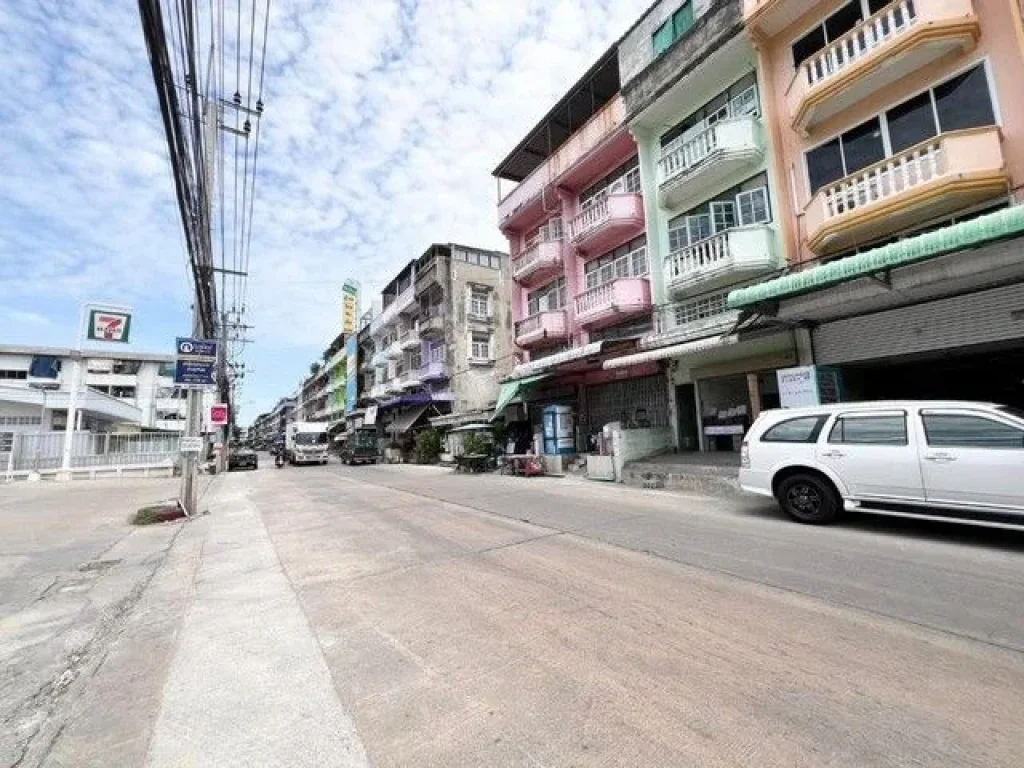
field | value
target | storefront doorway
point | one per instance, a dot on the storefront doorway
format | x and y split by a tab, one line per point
686	410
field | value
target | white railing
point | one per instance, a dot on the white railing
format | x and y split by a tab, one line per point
530	324
44	450
884	179
679	156
595	299
592	216
866	37
697	256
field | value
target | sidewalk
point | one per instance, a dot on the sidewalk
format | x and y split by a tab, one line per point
248	684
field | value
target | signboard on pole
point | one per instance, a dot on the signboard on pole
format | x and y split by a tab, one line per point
190	444
218	414
196	364
351	373
109	325
349	306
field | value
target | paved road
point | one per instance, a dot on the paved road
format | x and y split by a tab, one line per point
481	620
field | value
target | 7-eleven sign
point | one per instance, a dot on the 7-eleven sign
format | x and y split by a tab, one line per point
109	325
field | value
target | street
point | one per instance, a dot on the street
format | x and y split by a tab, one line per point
412	616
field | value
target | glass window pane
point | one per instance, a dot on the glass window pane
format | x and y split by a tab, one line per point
802	430
808	45
958	431
682	20
911	122
870	430
964	101
863	145
663	38
825	165
843	20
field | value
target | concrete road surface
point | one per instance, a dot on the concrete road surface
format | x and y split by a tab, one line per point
492	621
409	616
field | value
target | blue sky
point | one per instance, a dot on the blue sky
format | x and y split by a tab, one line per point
383	121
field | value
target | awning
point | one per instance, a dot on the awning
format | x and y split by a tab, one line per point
476	427
956	237
551	361
676	350
511	389
404	421
89	400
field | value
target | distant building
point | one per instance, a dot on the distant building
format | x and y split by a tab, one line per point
119	389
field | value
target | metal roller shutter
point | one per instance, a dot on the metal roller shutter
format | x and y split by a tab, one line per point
608	402
975	318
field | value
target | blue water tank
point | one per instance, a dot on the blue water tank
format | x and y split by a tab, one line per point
559	428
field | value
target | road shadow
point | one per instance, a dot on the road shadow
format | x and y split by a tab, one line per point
959	531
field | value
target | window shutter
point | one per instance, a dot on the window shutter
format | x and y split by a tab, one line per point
469	345
469	300
490	347
490	304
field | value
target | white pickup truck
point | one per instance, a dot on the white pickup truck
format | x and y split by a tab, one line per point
306	442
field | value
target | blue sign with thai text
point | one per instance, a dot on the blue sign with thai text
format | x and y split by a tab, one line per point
195	374
201	348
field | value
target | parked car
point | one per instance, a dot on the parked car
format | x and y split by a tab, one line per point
953	459
241	457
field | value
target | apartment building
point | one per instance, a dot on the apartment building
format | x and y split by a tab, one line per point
335	366
439	342
692	94
899	152
120	389
582	290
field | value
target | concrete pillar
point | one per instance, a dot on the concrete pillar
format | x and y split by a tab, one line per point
754	391
804	346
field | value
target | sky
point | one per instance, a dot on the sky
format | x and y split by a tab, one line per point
383	122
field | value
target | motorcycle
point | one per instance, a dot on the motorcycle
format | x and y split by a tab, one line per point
279	459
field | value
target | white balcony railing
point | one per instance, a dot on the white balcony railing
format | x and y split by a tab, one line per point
860	41
698	256
590	218
595	299
680	156
890	177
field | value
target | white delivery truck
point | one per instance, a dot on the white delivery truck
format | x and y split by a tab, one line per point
306	442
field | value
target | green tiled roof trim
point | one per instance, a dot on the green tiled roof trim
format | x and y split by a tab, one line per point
966	234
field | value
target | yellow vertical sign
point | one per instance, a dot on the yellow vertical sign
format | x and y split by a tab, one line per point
349	306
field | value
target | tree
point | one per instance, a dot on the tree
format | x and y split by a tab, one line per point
428	446
314	368
476	443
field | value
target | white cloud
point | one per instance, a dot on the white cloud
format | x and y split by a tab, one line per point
383	121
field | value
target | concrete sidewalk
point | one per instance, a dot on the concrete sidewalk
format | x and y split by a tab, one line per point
248	684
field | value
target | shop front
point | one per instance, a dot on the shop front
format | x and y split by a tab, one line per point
967	347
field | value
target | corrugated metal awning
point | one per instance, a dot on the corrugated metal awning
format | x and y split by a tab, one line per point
956	237
547	363
676	350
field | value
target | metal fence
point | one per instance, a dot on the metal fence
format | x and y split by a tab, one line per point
41	451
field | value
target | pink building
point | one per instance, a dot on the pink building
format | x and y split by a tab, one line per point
581	290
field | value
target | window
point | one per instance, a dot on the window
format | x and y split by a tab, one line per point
888	429
628	260
738	99
961	102
6	442
436	354
166	369
624	179
123	392
480	347
480	302
804	429
126	367
835	26
14	375
548	297
742	205
674	27
699	309
953	430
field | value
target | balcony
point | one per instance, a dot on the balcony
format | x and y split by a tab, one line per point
380	358
394	350
930	180
433	371
609	221
378	392
538	263
409	380
430	276
549	327
721	259
694	318
594	134
613	302
431	325
409	338
689	169
402	303
902	38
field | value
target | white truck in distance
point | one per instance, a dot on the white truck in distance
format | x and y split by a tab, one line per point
306	442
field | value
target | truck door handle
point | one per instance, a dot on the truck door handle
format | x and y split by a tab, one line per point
940	458
833	454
